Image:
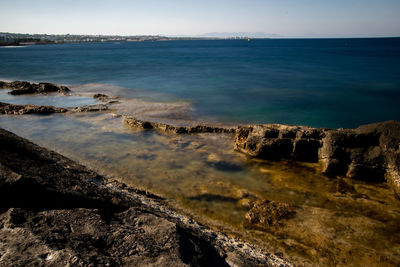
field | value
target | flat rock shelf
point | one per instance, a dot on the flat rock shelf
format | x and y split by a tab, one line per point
55	212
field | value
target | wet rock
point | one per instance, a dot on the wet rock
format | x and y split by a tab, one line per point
55	212
91	108
23	87
276	142
370	152
101	97
224	191
343	187
133	122
265	214
12	109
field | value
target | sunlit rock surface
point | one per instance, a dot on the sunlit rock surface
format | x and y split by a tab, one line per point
370	152
23	87
55	212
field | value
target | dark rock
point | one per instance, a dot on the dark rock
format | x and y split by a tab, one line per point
55	212
343	187
12	109
276	142
306	150
91	108
133	122
370	152
102	97
265	214
23	87
3	84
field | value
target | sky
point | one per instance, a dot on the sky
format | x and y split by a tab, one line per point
275	18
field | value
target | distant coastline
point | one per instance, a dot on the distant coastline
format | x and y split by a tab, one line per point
21	39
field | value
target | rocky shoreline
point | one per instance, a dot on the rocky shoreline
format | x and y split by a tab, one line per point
56	212
369	153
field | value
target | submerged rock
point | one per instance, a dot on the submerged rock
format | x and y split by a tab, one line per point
12	109
370	152
133	122
23	87
91	108
265	214
55	212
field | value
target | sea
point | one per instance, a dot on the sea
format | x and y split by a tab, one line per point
330	83
318	82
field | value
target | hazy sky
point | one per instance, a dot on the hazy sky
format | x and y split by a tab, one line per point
289	18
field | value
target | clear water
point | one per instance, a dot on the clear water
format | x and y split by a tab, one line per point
53	99
329	83
317	82
203	173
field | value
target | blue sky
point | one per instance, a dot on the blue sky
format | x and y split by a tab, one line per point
287	18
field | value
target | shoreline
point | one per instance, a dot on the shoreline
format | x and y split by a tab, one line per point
345	152
75	190
365	147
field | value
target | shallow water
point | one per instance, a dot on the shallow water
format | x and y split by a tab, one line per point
358	225
53	99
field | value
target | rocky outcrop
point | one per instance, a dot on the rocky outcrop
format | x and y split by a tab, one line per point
91	108
55	212
276	142
101	97
370	152
133	122
12	109
23	87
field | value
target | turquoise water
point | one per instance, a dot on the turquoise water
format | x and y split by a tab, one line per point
317	82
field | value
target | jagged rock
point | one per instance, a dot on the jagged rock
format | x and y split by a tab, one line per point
370	152
276	142
265	214
133	122
23	87
55	212
101	97
91	108
10	109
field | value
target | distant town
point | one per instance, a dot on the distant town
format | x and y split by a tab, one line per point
8	39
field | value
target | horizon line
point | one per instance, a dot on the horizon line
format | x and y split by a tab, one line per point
204	36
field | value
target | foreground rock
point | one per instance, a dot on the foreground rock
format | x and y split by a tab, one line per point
55	212
370	152
23	87
12	109
133	122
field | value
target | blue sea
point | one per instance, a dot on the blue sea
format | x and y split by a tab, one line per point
317	82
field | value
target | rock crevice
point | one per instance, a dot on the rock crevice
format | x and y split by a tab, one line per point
370	152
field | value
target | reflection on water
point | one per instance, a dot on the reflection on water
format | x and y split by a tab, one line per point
337	221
